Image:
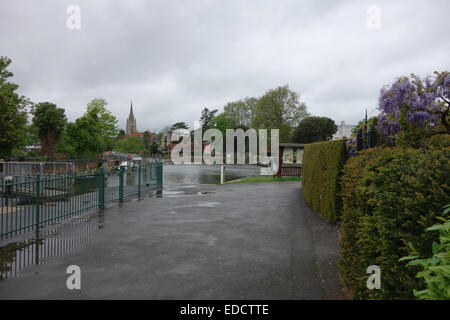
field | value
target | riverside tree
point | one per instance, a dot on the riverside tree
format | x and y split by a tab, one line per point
106	122
13	113
206	118
94	132
279	109
129	145
239	114
314	129
50	122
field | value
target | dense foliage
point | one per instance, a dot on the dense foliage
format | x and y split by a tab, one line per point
207	117
322	165
240	113
94	132
13	114
105	121
222	122
314	129
390	197
436	269
49	121
279	109
129	145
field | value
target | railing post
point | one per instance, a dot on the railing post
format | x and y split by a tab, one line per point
101	189
139	180
359	140
159	174
222	174
372	138
38	198
121	183
6	190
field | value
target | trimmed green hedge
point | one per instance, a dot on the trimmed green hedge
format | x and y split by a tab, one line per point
322	165
390	197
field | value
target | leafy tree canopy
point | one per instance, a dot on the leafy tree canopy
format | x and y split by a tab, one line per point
239	114
129	145
314	129
178	126
50	122
207	116
279	109
83	137
105	121
221	122
13	115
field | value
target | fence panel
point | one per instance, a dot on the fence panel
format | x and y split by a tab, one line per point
29	203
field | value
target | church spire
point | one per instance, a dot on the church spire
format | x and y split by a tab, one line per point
131	121
131	116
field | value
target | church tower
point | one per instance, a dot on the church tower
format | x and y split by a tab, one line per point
131	122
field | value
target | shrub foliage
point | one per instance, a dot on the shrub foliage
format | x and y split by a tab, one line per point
390	197
436	270
322	164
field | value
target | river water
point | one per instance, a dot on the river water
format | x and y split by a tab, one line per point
188	174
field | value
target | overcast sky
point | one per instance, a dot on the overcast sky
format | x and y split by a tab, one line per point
173	58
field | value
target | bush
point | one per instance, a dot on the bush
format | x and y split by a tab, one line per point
390	197
129	144
436	270
322	165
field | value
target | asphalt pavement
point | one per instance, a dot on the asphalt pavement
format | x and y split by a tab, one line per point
241	241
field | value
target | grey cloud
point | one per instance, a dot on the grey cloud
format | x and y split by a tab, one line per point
175	57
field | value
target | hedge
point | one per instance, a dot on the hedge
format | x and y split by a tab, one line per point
322	165
390	197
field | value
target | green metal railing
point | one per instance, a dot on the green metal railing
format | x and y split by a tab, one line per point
30	203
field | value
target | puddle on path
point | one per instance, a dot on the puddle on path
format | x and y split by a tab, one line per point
173	193
56	240
60	238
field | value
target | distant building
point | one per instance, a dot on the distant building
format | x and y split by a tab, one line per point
343	131
131	122
131	129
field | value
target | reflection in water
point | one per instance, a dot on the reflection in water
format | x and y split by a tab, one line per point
205	174
16	256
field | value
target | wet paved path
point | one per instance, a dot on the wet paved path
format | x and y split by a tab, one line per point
243	241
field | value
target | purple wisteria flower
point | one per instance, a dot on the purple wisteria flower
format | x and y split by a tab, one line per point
422	99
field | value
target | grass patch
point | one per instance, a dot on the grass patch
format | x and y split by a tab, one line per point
264	179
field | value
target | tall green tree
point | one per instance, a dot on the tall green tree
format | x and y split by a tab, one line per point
50	122
251	103
279	109
82	137
120	134
207	116
239	114
178	126
314	129
105	121
221	122
13	112
150	145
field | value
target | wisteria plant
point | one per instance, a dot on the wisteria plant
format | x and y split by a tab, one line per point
413	108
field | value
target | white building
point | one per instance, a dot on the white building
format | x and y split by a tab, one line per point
343	131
